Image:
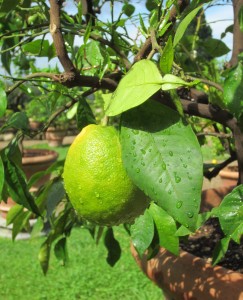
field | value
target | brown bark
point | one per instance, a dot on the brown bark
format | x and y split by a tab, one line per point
58	40
237	34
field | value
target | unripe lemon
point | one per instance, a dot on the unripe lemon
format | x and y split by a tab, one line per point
96	181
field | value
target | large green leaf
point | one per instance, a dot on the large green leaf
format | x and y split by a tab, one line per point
166	228
142	232
233	92
3	99
184	24
163	157
140	83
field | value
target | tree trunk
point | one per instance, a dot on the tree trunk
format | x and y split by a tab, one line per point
237	34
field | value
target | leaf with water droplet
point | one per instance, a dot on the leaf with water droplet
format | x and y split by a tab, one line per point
179	204
190	214
157	123
142	232
166	228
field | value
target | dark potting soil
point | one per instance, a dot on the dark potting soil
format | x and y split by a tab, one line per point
203	242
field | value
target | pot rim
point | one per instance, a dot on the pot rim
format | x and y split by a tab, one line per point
32	157
190	277
229	174
187	276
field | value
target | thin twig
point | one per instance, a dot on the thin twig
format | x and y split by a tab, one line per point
216	134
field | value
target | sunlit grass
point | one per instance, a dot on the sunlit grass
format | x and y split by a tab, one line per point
86	276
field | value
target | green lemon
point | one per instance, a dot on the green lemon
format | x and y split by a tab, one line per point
96	181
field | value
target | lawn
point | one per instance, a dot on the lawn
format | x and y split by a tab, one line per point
86	275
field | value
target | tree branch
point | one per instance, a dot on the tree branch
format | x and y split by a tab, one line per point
58	40
210	174
237	34
69	80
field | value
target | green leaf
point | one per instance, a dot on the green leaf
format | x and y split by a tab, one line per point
151	4
233	92
17	186
20	222
87	32
170	82
215	47
60	250
240	18
85	115
139	84
93	54
143	27
220	250
113	247
18	120
142	232
72	111
7	6
44	256
153	20
150	135
166	228
167	57
6	56
184	25
230	211
13	213
177	102
230	29
37	48
55	194
37	228
238	233
1	177
128	9
3	99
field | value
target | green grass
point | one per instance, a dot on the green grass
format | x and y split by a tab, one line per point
86	275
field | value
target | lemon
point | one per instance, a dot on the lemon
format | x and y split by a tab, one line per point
96	181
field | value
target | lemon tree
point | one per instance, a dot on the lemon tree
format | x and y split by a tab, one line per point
96	181
163	93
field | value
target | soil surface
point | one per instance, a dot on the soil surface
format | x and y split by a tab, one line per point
203	242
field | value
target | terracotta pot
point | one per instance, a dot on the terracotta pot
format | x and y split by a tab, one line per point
35	125
55	136
229	175
186	276
33	161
